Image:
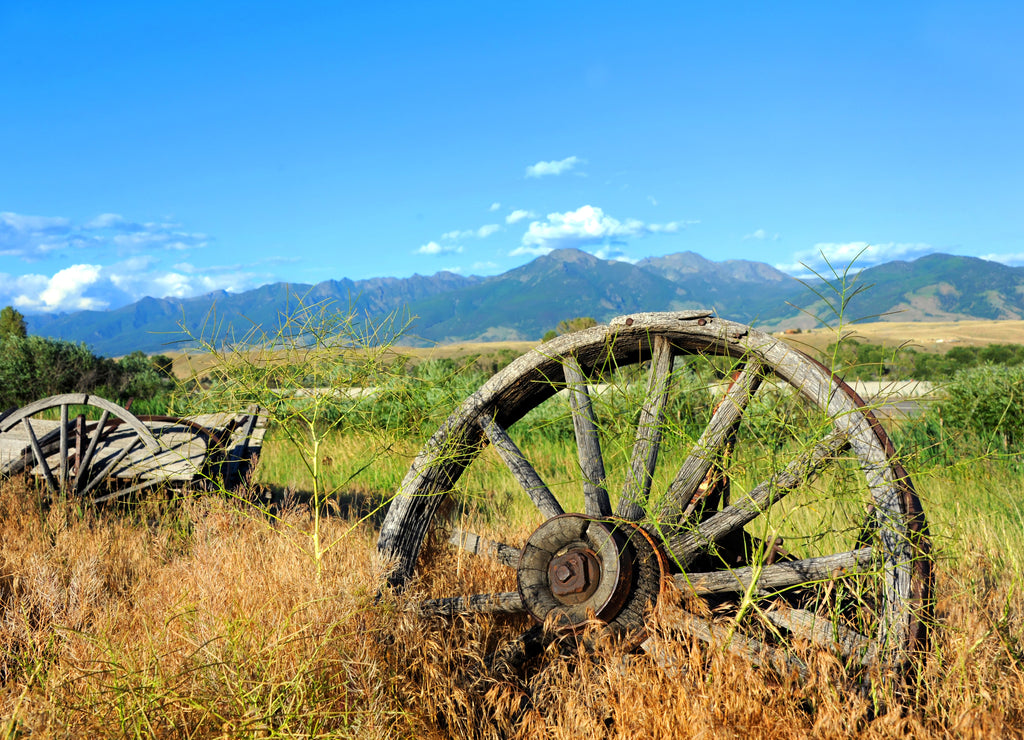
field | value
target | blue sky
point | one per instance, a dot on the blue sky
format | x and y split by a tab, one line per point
171	149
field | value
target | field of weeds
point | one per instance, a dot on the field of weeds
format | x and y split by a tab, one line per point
265	612
204	617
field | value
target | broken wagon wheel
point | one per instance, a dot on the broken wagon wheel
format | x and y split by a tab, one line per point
75	455
785	495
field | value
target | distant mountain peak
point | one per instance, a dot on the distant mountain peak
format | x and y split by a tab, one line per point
530	299
677	266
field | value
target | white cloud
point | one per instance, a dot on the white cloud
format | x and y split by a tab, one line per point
552	168
518	215
96	287
653	200
494	206
485	266
761	235
857	255
487	229
1011	260
586	226
70	289
433	248
32	237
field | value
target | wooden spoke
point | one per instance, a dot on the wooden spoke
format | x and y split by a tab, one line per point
637	488
820	631
40	457
63	445
711	443
685	545
521	469
491	549
721	636
112	465
587	442
86	461
503	603
777	576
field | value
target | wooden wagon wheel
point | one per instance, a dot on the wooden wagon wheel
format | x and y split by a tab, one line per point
85	453
785	510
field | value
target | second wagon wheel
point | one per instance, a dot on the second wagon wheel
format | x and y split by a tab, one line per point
698	451
73	454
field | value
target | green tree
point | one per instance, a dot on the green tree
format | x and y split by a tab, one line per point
12	323
568	326
37	367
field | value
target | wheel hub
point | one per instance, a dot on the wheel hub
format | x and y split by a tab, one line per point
574	576
575	569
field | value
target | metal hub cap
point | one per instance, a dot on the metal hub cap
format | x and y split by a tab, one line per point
575	568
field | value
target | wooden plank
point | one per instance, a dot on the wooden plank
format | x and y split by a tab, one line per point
238	455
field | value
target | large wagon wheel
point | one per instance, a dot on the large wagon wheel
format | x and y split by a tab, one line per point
88	453
787	496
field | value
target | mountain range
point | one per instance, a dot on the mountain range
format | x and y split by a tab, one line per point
525	302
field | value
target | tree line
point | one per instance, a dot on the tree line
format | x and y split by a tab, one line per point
33	367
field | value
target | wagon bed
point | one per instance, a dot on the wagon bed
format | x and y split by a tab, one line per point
125	452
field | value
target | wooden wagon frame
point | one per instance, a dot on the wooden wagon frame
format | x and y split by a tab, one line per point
121	453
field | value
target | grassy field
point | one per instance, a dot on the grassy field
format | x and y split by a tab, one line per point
939	336
256	614
203	617
925	336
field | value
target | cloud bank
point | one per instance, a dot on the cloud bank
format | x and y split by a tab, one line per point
433	248
585	227
113	261
32	238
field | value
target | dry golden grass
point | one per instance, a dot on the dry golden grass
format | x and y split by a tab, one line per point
926	336
201	617
187	364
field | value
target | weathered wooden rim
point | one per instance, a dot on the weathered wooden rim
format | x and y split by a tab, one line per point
82	399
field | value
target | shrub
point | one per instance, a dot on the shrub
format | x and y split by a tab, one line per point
987	403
